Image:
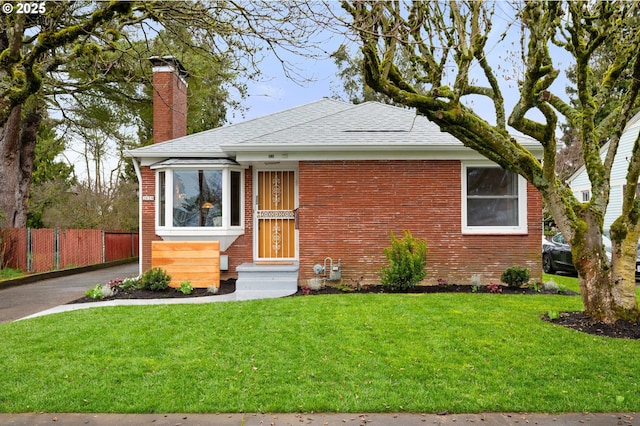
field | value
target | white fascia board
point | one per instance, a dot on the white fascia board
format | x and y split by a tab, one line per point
148	161
338	151
266	156
157	157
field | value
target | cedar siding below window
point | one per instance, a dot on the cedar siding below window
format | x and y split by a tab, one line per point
195	261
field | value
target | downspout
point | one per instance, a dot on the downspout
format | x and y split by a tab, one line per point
136	167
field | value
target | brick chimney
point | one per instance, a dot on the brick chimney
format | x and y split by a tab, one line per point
169	98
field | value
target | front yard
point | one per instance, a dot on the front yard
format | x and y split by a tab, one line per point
342	353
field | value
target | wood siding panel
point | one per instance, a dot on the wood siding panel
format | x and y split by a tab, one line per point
194	261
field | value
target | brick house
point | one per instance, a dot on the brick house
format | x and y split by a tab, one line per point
324	184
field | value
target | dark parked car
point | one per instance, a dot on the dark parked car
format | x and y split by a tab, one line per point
556	255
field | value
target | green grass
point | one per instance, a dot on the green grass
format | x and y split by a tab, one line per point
338	353
570	283
8	273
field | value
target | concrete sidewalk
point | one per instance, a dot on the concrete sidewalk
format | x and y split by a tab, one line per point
392	419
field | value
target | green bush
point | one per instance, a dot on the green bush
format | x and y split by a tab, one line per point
94	292
185	287
515	276
155	279
407	259
130	284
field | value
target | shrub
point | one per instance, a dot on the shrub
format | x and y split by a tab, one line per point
494	288
108	291
515	276
115	284
130	284
155	279
550	286
94	292
185	287
407	258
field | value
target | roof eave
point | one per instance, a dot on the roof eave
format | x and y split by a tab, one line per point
536	150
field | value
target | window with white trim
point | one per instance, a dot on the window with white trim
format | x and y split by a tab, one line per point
494	200
196	198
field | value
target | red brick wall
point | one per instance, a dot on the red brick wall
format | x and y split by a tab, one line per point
242	249
348	208
169	107
148	214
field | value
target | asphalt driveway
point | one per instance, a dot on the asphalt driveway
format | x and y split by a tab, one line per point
21	300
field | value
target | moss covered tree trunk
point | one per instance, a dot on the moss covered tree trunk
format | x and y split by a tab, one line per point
17	148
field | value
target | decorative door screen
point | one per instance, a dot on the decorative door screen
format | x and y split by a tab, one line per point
275	214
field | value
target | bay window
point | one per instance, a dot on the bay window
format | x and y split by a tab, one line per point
494	200
198	198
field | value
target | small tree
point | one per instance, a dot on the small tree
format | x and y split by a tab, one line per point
515	276
155	279
407	259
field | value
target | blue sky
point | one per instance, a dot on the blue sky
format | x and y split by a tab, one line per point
274	91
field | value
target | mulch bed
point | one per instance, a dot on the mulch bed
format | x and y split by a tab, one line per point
574	320
424	289
226	287
580	322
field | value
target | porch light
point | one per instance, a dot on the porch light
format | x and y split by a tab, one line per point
207	205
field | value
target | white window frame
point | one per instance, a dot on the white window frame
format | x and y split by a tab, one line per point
168	230
520	229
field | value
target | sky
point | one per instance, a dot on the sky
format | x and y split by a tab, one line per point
274	91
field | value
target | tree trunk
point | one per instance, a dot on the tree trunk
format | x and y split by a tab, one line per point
607	288
17	152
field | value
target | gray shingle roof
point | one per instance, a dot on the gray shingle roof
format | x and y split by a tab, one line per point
324	125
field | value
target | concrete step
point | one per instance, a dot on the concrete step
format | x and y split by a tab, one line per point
267	277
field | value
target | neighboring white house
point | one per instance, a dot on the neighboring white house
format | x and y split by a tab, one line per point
581	186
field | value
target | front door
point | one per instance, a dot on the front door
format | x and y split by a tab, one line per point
275	215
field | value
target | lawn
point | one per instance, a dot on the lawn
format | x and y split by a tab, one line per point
335	353
570	283
8	273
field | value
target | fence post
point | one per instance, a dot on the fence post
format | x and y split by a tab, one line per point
56	248
104	256
29	251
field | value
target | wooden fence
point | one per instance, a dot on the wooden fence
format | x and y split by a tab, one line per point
42	250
